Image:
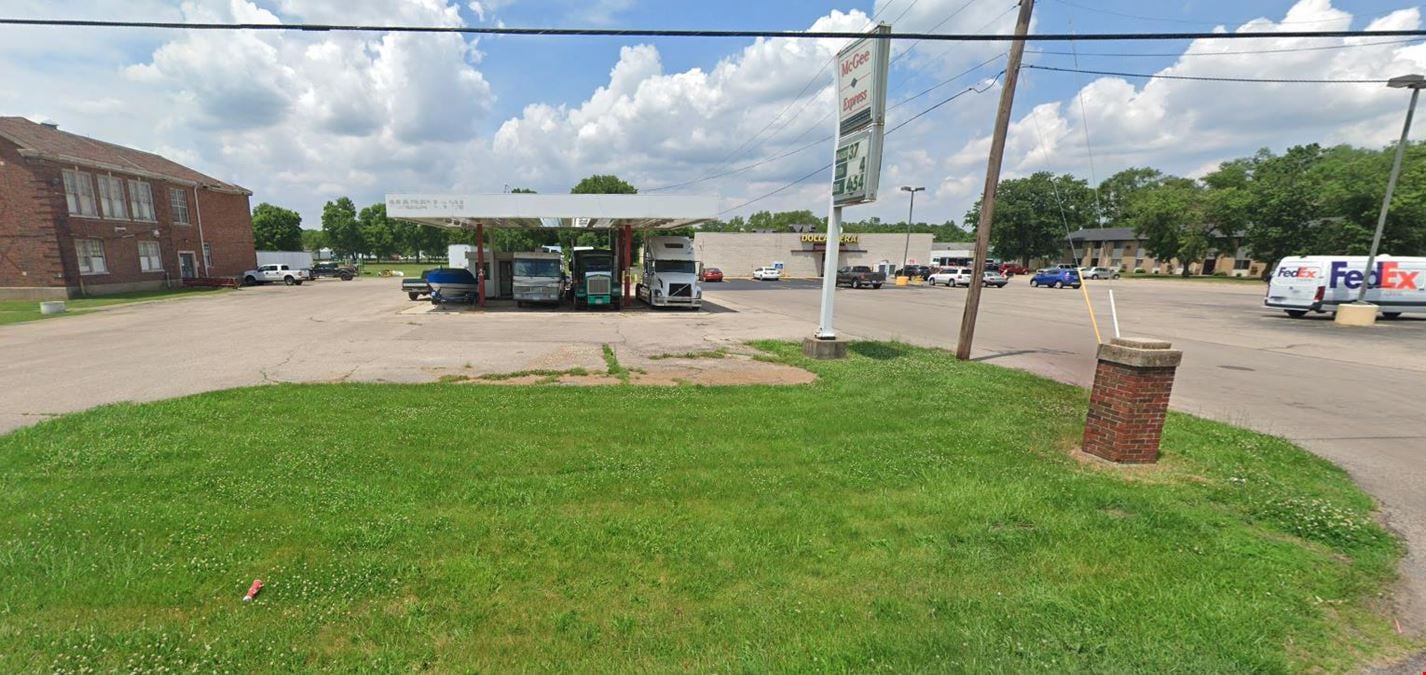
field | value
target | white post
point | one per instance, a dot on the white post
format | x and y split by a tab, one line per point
829	274
1114	312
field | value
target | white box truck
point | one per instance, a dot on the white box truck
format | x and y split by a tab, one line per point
297	260
670	273
1318	283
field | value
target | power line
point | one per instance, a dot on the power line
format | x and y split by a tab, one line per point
942	22
1230	52
1166	19
828	165
829	137
660	32
798	97
1205	78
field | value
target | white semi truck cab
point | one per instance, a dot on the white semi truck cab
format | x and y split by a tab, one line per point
670	273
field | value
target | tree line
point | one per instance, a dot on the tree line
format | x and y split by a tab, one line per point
1309	200
368	232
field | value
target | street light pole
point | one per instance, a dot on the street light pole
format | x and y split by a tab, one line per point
1415	83
910	212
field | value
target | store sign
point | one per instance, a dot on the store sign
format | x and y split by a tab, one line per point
861	84
861	115
857	169
822	239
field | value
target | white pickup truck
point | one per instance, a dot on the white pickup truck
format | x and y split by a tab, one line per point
271	274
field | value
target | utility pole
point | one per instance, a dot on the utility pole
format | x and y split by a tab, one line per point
992	181
910	213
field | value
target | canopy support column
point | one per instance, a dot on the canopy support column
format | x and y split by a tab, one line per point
628	260
480	262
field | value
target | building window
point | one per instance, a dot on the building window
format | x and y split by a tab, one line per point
141	196
178	203
91	256
207	257
1242	264
150	258
79	193
111	197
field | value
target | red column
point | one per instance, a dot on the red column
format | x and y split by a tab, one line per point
628	259
480	263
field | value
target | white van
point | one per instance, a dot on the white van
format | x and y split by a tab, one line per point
1318	283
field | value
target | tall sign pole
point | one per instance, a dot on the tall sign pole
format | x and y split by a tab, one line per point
856	166
992	181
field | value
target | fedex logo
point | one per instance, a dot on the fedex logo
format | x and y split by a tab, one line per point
1297	273
1388	275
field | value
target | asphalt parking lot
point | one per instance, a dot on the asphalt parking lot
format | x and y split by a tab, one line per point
1348	395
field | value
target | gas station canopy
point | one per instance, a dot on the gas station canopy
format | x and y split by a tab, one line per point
593	212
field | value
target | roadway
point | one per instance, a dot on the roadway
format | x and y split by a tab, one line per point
1349	395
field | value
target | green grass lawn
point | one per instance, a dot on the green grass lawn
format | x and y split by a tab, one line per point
15	311
467	527
373	269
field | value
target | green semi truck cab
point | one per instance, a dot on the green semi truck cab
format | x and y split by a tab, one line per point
593	282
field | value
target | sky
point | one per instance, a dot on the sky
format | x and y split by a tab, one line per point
303	118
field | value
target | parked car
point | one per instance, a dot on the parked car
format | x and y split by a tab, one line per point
1012	269
994	278
416	287
857	276
922	271
1055	277
710	274
767	274
332	269
951	276
1099	273
271	274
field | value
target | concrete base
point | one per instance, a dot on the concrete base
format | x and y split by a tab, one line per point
1353	314
824	349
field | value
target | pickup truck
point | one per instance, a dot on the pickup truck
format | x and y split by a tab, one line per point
858	276
271	274
331	269
415	287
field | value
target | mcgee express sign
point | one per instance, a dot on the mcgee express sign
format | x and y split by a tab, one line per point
861	86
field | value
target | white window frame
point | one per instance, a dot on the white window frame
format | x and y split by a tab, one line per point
112	198
207	256
79	193
142	209
151	261
178	204
87	256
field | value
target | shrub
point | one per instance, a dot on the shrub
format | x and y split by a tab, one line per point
1138	270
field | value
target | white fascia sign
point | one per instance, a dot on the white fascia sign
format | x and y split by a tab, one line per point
861	117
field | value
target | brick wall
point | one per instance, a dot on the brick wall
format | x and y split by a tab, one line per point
37	234
31	263
228	228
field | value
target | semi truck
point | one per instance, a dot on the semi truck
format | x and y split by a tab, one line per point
592	281
670	272
537	278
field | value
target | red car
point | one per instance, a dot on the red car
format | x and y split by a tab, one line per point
710	274
1012	269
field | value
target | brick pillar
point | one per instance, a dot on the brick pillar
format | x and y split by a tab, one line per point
1130	397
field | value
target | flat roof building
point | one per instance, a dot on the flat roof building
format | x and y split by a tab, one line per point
79	216
801	254
1122	249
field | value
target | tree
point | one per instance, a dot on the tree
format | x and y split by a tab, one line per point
1117	190
1034	215
603	185
378	236
276	228
314	240
1171	219
339	223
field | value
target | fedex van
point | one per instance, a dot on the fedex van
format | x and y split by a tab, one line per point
1318	283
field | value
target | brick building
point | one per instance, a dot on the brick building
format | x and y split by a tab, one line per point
84	217
1122	249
